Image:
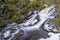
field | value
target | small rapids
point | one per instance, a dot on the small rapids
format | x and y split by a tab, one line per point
33	25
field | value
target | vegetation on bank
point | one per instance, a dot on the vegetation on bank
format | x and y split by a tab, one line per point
11	10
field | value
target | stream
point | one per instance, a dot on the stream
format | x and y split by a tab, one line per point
37	27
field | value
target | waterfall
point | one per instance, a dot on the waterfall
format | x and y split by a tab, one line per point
32	25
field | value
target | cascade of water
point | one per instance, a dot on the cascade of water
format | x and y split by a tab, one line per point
53	36
44	15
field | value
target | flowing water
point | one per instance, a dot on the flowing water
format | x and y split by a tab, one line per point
33	25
